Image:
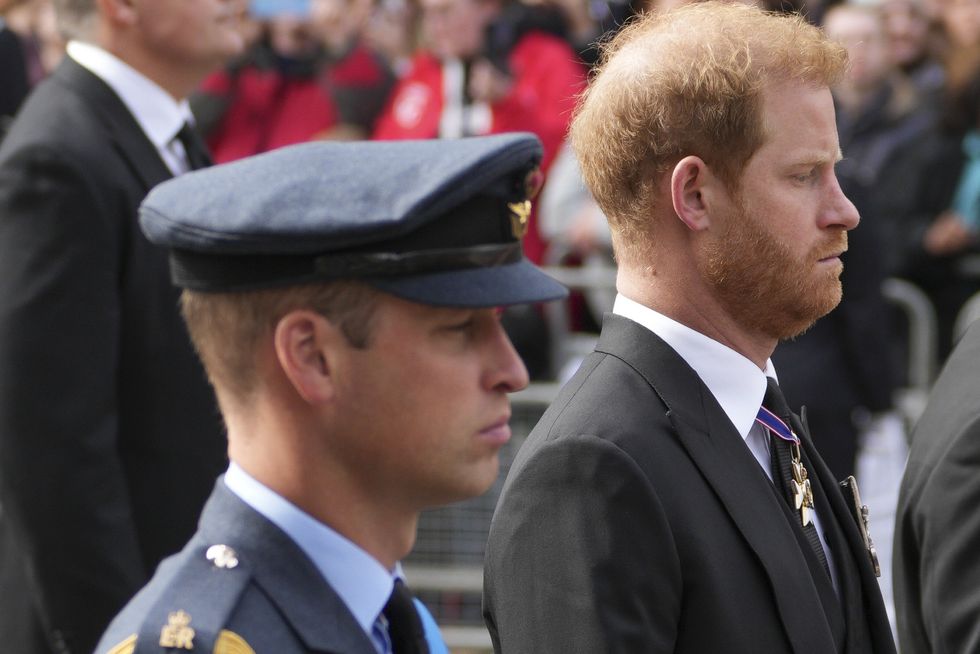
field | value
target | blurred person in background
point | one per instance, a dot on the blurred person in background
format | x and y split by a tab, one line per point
357	78
14	80
30	48
915	42
938	208
308	76
488	67
881	118
878	109
392	32
109	436
960	20
589	21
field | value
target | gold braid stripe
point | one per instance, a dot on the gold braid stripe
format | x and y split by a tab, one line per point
125	647
228	643
231	643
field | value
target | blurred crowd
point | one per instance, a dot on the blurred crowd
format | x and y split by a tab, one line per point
908	116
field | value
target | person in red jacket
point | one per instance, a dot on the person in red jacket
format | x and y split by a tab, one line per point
309	77
488	69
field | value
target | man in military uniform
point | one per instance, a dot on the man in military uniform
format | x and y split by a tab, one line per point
343	300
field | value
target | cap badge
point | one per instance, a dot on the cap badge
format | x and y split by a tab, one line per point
520	213
177	633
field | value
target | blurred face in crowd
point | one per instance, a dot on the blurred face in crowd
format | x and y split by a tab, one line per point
861	31
907	25
422	411
455	28
774	261
338	22
193	34
291	36
961	20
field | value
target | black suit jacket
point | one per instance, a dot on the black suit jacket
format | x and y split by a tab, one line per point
635	519
274	598
109	437
937	527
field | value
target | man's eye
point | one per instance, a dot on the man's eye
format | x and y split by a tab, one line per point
461	326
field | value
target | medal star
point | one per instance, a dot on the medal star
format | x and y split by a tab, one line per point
798	494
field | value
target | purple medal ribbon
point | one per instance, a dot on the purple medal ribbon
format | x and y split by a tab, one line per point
774	423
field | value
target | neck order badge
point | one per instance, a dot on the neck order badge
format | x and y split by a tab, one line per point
802	493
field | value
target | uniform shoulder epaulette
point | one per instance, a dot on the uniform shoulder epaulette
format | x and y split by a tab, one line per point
192	610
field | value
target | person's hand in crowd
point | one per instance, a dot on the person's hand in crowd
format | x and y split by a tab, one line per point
947	235
488	83
582	235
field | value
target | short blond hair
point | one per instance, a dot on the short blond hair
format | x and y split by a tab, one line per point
227	328
686	82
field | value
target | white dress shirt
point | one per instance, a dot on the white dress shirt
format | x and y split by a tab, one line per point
358	578
157	112
735	382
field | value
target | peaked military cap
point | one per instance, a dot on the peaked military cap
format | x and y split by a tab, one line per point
437	222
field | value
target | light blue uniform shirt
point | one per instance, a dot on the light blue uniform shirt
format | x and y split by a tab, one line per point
358	578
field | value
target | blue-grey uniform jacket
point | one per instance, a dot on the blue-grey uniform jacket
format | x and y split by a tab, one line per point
240	585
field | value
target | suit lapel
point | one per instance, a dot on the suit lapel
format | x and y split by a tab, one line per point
294	584
728	466
850	556
121	128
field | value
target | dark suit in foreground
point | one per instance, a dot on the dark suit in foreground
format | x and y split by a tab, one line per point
635	519
937	527
109	437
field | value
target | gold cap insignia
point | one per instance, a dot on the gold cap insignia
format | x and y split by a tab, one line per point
177	633
520	214
222	556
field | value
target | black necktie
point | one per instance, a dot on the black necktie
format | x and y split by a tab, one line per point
404	626
781	460
197	152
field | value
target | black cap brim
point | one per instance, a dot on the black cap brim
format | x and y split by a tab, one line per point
517	283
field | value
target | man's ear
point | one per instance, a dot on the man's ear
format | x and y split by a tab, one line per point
689	191
304	341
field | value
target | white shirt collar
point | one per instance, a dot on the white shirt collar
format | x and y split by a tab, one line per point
736	383
156	111
358	578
